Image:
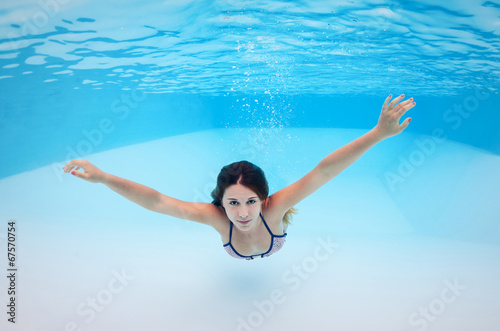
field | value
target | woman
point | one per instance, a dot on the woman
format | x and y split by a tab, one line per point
241	197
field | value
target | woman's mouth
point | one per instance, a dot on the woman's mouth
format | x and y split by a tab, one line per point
245	222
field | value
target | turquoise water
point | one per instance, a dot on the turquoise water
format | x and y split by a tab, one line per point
166	93
195	65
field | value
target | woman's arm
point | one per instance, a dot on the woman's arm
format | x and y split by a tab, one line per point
332	165
144	196
135	192
388	125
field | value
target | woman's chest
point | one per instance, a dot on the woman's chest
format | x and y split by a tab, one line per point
260	242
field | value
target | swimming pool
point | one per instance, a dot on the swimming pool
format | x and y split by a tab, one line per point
166	93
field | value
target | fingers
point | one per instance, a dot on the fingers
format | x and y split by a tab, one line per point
404	106
404	124
386	101
74	164
78	174
395	101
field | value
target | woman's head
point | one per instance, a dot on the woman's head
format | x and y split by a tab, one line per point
241	189
244	173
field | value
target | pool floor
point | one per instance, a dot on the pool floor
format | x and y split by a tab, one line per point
359	255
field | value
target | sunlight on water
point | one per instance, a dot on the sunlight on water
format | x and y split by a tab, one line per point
339	47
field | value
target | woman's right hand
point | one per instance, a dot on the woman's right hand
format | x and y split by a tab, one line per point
90	172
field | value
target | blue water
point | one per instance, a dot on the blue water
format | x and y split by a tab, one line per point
65	67
166	93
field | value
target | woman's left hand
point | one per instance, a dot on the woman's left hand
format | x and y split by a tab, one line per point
388	123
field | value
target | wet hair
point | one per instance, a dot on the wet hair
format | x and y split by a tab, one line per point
246	174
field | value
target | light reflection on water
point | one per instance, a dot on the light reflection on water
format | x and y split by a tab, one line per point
218	47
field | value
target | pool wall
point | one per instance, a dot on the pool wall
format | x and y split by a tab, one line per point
68	126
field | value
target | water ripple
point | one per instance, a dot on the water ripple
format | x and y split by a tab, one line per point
217	47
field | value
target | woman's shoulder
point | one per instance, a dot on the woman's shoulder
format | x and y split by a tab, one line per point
272	215
216	217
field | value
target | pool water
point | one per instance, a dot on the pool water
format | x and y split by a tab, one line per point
166	93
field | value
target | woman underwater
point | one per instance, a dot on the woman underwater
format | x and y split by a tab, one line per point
250	222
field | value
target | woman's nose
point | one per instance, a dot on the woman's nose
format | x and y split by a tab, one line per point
243	213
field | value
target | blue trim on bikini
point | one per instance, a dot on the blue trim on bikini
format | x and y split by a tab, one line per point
251	256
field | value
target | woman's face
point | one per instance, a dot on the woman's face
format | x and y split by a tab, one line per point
242	206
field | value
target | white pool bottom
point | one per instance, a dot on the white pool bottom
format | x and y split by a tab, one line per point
90	259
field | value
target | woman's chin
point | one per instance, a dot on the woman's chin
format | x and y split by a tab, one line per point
244	226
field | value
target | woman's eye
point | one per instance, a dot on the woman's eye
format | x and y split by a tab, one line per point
234	203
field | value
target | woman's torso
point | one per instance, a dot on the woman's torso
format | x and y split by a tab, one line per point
260	241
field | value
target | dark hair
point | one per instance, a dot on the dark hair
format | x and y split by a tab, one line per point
246	174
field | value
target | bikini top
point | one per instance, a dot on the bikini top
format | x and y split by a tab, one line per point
276	243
